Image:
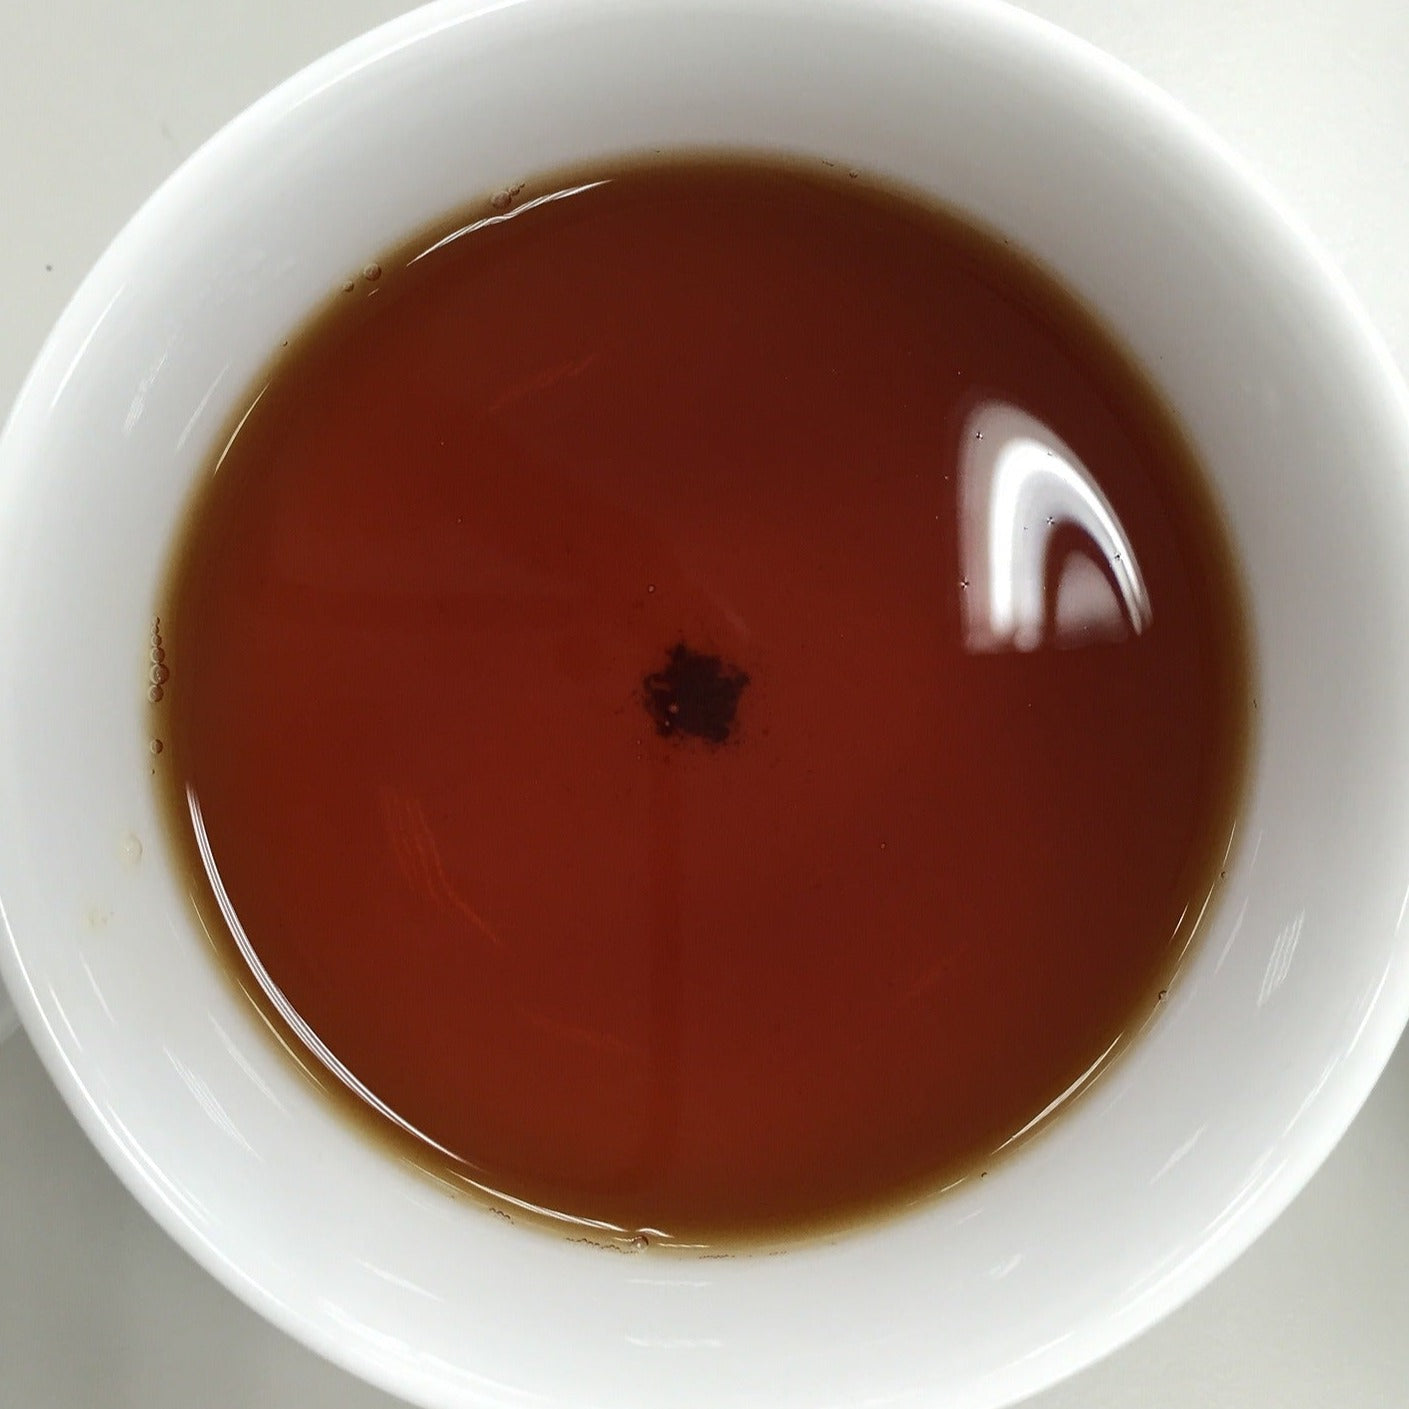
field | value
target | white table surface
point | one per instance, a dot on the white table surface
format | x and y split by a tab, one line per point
99	100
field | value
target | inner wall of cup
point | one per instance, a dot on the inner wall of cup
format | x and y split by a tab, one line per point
1099	1224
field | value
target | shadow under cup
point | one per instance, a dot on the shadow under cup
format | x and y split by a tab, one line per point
1286	1012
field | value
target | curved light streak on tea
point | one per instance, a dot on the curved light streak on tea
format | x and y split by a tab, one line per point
275	994
1019	484
321	1051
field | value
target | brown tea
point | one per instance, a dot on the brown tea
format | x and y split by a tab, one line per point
707	698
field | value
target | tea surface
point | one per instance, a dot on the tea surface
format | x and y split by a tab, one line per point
705	698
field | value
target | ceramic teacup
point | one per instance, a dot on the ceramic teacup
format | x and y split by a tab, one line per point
1296	988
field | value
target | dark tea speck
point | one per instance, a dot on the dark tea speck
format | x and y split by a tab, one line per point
696	696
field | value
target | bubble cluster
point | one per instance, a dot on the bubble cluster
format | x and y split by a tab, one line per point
502	200
158	673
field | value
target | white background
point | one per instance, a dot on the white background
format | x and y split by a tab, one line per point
98	102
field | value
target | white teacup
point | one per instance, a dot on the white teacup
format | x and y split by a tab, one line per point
1297	987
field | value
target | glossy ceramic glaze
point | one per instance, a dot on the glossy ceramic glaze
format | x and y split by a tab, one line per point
1171	1165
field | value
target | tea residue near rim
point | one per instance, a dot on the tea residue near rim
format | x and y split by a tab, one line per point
705	699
